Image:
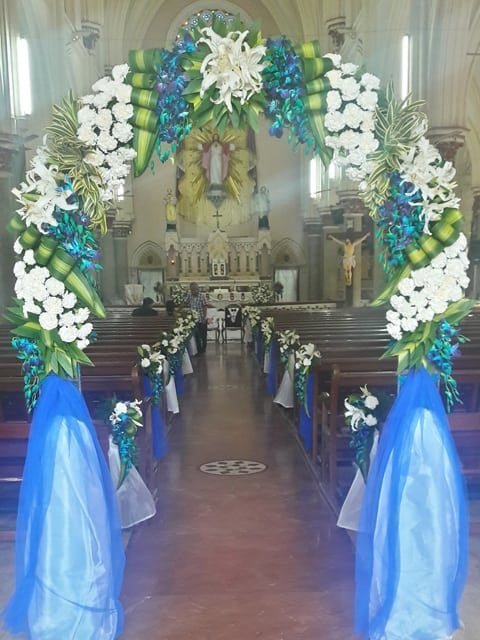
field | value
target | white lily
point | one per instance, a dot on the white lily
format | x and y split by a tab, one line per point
355	414
233	67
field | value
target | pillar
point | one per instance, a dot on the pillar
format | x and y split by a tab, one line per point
448	140
121	232
474	250
314	242
108	290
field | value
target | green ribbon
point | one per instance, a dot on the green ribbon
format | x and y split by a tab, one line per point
17	224
141	80
315	102
444	233
30	238
144	59
145	119
144	144
45	251
319	85
309	49
315	67
146	98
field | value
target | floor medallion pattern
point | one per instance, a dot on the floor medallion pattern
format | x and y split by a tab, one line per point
233	467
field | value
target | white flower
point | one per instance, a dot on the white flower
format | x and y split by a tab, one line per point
232	67
53	305
104	119
120	407
86	115
68	333
425	314
101	100
19	269
406	286
119	72
418	299
31	307
369	81
306	362
335	78
17	247
122	132
370	420
334	100
85	330
349	69
87	135
353	115
122	92
439	306
126	154
95	158
439	261
104	85
122	111
48	321
350	139
82	315
349	88
409	324
69	300
55	287
355	414
393	317
369	142
368	100
335	58
88	99
146	347
67	319
395	331
371	402
106	142
334	121
145	363
29	257
82	344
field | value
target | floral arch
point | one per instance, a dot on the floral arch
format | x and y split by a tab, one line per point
228	76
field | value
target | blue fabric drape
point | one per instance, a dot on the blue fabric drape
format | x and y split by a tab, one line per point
412	554
305	428
159	435
69	552
179	383
272	370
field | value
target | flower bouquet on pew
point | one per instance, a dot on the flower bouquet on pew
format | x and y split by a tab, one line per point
126	419
152	363
289	342
267	328
306	357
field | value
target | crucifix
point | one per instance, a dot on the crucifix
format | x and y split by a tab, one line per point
349	241
217	217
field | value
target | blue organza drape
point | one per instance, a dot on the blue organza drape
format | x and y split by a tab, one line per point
412	552
305	426
69	553
159	433
272	370
179	382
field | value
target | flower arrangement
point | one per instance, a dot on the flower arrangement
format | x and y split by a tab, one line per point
252	315
289	342
362	416
179	295
445	347
261	294
152	363
350	117
306	357
126	419
267	328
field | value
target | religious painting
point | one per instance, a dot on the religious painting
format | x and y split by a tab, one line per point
222	161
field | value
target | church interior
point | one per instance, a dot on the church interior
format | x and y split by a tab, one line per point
259	221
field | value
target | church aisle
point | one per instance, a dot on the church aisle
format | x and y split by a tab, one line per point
231	557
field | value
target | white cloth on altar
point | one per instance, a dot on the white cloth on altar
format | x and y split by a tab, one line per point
187	368
134	293
349	516
266	362
286	393
248	331
135	502
192	346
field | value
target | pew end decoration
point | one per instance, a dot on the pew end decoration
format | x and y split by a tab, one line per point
126	419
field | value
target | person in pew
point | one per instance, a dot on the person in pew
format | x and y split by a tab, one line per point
146	309
197	302
170	308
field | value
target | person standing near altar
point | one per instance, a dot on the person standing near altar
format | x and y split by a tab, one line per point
198	303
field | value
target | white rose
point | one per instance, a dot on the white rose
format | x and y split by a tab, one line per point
68	333
122	92
332	141
31	307
439	306
82	344
104	119
124	112
101	100
418	299
352	115
368	143
29	257
334	121
395	331
371	402
106	142
145	363
368	100
119	72
69	300
350	139
370	420
55	287
464	282
406	286
456	294
122	131
95	158
85	330
368	121
67	319
369	81
146	347
409	324
393	317
419	277
335	78
425	314
19	269
335	58
349	69
87	135
17	247
350	88
440	261
126	154
88	99
121	407
104	85
48	321
357	157
334	100
306	362
86	115
397	302
82	315
53	305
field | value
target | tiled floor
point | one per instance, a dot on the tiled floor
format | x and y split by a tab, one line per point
239	557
